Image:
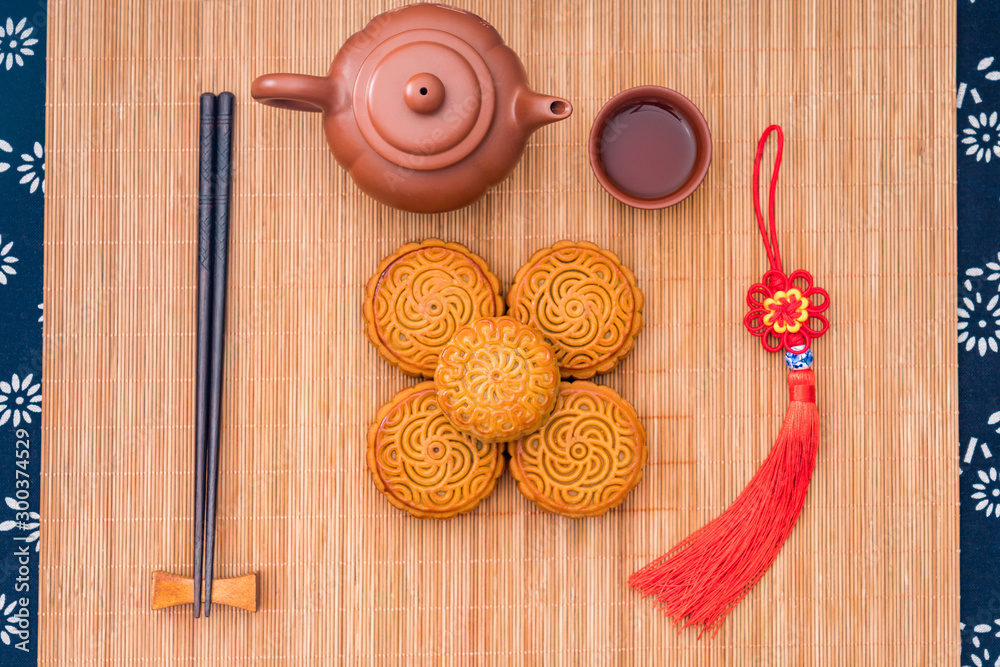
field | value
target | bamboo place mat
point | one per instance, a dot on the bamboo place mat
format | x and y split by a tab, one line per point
865	94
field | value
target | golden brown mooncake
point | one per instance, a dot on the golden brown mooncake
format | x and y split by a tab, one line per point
497	379
420	296
586	458
423	464
584	301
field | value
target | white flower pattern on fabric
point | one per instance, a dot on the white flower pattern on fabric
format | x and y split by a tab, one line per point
985	63
16	42
9	620
979	323
980	634
973	92
19	399
32	524
982	629
7	261
982	137
33	168
5	147
41	312
982	660
976	447
991	271
987	493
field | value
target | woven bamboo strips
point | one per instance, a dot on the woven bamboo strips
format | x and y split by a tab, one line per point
867	203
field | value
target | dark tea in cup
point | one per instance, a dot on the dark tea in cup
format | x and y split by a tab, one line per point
650	147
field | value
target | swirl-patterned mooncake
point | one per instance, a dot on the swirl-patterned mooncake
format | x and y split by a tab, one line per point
423	464
497	379
584	301
420	296
586	458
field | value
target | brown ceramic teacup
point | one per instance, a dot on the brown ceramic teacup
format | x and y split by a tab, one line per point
650	147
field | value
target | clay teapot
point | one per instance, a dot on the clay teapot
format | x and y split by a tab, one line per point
426	107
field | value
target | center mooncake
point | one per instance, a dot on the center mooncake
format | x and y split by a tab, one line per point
497	380
584	301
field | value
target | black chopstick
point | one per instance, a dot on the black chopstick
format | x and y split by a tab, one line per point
206	183
223	174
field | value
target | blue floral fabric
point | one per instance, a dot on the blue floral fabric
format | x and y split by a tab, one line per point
978	126
22	188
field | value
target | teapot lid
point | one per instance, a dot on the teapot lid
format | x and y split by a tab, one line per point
424	99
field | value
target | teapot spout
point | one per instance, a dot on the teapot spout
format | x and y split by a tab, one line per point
533	110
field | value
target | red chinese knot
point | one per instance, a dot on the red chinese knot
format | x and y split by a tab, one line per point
785	310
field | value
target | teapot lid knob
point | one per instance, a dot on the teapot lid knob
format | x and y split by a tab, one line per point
424	93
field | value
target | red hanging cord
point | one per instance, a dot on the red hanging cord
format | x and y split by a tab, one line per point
767	232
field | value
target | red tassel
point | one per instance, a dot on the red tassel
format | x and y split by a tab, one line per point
701	580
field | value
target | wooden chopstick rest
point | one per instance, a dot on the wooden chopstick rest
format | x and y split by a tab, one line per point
171	590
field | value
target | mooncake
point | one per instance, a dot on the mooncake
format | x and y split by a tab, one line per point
420	296
423	464
497	379
584	301
586	458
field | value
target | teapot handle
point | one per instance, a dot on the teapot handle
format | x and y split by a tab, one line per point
297	92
